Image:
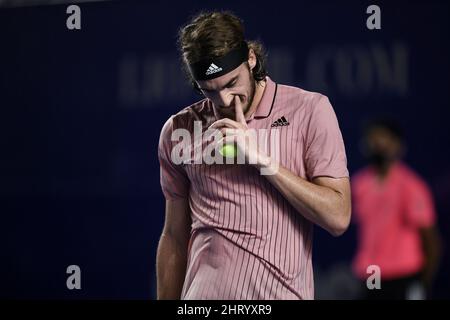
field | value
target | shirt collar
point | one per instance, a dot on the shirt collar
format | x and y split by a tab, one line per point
266	104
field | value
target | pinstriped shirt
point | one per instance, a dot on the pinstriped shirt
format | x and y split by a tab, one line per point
247	241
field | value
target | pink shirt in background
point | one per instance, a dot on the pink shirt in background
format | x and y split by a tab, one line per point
388	216
247	241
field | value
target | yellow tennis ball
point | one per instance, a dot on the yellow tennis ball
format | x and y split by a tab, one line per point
228	151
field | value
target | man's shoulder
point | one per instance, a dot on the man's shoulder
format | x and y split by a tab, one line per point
195	111
411	177
301	95
198	111
302	102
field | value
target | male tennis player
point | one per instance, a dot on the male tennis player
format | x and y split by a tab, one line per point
231	232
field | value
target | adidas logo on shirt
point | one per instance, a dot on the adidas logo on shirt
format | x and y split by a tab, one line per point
213	69
280	122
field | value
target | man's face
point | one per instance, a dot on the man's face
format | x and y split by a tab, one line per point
221	90
381	142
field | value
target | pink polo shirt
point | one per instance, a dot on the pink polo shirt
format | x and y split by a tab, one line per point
388	216
247	241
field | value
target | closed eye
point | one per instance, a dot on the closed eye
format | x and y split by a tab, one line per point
230	85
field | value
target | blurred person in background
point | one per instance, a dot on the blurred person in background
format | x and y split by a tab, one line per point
395	217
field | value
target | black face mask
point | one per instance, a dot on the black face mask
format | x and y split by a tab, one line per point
378	159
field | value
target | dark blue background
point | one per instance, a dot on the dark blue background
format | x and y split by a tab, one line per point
81	112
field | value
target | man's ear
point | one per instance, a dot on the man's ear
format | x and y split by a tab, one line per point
251	59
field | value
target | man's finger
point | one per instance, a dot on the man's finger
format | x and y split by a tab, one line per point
228	131
225	122
239	112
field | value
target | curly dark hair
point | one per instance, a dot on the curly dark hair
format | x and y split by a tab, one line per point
390	124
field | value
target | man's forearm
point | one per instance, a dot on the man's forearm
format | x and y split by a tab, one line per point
431	243
430	267
171	263
322	205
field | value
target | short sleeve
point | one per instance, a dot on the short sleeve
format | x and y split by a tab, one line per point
173	178
325	150
420	211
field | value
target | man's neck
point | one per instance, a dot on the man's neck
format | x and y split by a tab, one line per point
383	170
259	91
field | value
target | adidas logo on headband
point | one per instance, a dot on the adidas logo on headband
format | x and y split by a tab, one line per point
213	69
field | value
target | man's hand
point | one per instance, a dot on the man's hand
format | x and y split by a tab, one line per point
238	133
